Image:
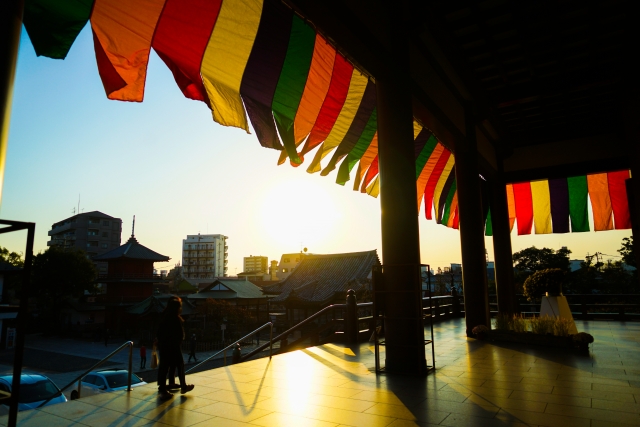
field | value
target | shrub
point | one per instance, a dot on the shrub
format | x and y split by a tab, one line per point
542	325
561	327
503	321
549	280
519	323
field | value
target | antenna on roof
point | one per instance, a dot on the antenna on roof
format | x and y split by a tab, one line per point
133	227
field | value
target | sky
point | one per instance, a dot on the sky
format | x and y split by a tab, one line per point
166	162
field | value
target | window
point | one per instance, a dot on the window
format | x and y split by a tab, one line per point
93	232
92	244
105	223
286	260
105	234
105	245
297	259
94	221
284	270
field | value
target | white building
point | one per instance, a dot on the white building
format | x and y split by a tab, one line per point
288	262
205	256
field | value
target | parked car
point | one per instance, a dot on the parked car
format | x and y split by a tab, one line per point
34	389
96	382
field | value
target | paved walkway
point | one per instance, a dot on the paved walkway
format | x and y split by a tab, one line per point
94	351
477	383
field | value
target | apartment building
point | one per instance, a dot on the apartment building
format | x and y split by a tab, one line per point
255	264
94	232
288	262
205	256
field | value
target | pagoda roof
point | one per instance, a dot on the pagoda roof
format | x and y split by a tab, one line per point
132	250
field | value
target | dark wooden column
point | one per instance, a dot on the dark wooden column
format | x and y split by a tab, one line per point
632	137
502	251
404	330
474	268
10	27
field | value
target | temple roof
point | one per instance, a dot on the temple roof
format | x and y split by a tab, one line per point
229	289
132	250
318	277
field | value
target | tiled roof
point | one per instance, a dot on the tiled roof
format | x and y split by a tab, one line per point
157	303
236	288
319	277
132	250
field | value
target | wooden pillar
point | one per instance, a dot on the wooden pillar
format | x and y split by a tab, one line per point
502	251
404	330
474	269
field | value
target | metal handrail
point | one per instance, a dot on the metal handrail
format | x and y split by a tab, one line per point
269	324
298	325
79	378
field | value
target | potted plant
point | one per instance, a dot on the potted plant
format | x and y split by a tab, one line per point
548	281
582	340
480	331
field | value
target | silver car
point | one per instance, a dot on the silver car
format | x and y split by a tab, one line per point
34	390
96	382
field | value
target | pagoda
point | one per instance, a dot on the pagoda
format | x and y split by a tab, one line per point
129	278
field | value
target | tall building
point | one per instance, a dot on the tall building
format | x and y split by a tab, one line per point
255	264
204	256
93	232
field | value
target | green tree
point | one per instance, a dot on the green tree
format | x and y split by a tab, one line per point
59	274
628	252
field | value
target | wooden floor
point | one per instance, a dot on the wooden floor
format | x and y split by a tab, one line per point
477	383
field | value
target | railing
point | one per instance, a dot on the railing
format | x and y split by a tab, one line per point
321	328
81	376
224	350
443	307
592	306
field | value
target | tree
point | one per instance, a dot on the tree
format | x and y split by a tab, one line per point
12	282
533	259
530	260
628	252
59	274
12	258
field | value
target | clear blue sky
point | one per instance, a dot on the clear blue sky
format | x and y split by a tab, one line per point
167	162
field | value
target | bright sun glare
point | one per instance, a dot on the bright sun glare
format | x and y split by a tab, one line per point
297	212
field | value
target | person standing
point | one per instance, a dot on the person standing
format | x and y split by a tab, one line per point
170	336
143	356
193	349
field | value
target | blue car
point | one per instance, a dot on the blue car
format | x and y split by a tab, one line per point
34	389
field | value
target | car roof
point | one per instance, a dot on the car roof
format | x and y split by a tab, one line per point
25	378
108	372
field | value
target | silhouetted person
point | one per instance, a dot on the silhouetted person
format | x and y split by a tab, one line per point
143	356
192	348
170	337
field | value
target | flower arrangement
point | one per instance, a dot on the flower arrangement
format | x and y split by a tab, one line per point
582	337
542	325
480	329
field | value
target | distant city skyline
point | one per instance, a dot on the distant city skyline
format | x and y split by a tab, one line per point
167	162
